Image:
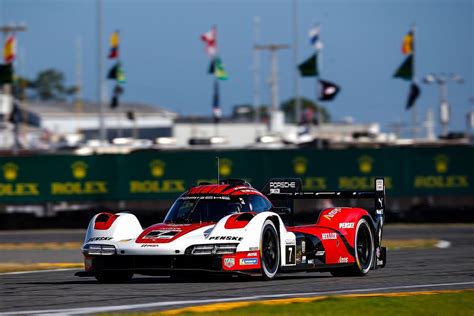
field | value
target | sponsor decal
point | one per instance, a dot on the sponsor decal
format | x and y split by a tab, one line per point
162	234
327	236
225	167
283	185
290	241
361	183
365	164
229	262
10	171
226	238
248	261
320	253
79	170
331	214
346	225
310	261
441	163
300	165
303	259
303	246
253	248
343	260
157	168
379	185
157	186
206	197
79	188
252	254
150	245
99	239
315	183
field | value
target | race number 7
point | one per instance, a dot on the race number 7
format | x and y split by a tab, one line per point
290	254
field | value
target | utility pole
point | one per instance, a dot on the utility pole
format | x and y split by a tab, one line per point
277	118
256	74
100	79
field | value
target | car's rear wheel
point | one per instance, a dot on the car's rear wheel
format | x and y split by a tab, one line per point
269	250
113	277
363	252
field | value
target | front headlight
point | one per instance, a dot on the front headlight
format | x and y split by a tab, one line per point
98	250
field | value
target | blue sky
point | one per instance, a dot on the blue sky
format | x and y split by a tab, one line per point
165	63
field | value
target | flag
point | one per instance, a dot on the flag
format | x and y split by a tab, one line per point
209	38
314	38
216	109
327	90
309	68
117	73
219	71
408	43
413	95
118	90
9	50
405	71
114	45
6	73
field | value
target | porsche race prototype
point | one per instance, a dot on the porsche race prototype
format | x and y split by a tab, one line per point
232	228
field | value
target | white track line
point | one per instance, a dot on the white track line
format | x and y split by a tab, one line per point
38	271
102	309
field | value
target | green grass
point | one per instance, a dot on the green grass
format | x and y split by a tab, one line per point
435	304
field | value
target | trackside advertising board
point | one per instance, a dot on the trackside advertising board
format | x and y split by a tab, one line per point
165	174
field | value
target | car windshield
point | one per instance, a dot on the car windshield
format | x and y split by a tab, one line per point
198	209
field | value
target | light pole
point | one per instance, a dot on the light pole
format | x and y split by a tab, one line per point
444	108
275	120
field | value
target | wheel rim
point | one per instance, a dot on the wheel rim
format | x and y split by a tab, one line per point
363	247
269	252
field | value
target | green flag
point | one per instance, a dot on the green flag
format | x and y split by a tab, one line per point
116	72
405	71
219	70
309	68
6	73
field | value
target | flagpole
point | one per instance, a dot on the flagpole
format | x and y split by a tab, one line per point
100	81
297	112
319	58
413	111
256	69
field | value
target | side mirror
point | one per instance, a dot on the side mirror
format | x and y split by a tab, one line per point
281	210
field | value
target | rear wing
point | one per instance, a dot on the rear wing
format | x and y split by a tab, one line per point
291	189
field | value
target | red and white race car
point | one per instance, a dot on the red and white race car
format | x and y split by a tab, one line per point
233	228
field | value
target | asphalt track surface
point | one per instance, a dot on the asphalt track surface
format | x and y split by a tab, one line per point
60	292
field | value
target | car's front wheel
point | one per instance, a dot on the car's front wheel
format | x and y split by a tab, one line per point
363	252
269	250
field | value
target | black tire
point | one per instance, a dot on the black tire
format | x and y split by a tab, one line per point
113	277
270	250
364	252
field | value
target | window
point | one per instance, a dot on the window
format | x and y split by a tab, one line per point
255	203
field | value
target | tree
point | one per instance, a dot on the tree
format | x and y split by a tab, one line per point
288	108
48	85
